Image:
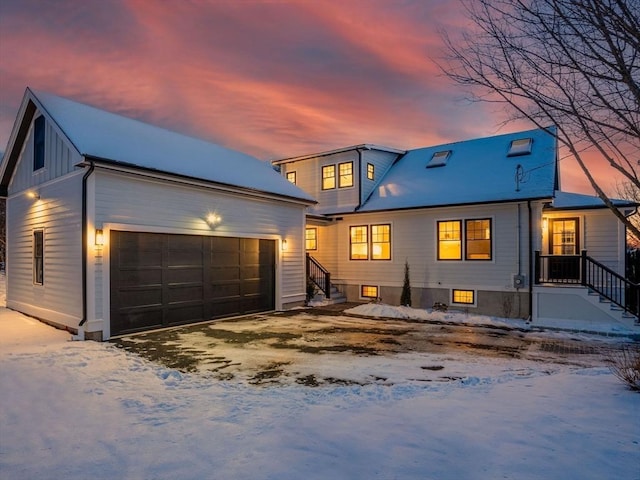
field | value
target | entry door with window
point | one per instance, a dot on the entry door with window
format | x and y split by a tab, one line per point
564	240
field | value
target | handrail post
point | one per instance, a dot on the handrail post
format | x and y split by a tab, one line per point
327	291
583	267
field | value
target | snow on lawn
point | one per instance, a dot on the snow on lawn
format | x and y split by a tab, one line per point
78	410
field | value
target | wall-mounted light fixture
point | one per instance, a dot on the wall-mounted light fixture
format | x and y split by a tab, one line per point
99	240
33	195
284	245
213	220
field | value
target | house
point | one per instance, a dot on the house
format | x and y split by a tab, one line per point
115	226
482	224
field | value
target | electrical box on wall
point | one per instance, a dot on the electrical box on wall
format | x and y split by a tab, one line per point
518	281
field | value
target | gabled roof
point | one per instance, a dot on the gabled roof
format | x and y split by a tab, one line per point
476	171
363	146
570	201
123	141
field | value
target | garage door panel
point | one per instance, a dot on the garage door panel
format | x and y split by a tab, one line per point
166	279
183	275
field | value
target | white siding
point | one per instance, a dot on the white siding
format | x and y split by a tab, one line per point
58	213
381	162
413	237
59	160
601	235
309	179
131	202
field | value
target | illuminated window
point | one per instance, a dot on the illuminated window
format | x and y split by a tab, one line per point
478	239
521	146
449	242
369	291
381	242
370	171
328	177
311	238
38	257
38	143
291	176
346	174
359	242
465	297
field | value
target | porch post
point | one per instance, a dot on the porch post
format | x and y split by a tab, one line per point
536	280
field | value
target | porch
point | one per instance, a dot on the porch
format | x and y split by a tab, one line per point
570	288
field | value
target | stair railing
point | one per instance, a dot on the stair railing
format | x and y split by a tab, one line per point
319	275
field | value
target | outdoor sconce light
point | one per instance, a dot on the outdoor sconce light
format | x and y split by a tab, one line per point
213	220
33	194
99	241
284	245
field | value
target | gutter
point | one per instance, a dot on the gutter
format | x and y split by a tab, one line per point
531	257
85	177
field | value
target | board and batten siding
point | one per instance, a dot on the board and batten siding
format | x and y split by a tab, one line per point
132	202
58	213
414	239
59	160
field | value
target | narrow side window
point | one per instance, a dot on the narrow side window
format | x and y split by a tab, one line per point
38	257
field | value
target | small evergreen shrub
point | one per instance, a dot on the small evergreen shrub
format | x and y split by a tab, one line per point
405	298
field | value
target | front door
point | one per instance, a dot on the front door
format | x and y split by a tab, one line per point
564	241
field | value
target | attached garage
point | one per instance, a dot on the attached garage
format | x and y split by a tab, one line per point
162	280
115	226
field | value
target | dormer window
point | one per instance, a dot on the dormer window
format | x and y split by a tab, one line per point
38	143
439	159
521	146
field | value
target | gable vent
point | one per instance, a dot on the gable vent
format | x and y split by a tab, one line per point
521	146
439	159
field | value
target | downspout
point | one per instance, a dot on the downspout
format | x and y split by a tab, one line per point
519	258
84	242
359	150
530	261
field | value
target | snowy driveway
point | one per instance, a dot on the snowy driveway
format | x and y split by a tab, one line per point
314	349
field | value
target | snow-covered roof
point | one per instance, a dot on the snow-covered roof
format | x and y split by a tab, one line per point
363	146
105	135
568	200
476	171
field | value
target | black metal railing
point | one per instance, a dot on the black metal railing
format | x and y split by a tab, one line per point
319	275
586	271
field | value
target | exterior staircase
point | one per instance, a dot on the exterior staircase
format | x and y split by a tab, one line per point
320	278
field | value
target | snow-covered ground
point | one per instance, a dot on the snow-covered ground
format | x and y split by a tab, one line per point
85	410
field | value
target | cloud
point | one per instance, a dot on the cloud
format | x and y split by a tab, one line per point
271	78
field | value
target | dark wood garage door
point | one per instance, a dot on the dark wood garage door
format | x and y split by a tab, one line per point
161	280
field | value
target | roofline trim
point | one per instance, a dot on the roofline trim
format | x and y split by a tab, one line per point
364	146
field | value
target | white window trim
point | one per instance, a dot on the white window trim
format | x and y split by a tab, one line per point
471	305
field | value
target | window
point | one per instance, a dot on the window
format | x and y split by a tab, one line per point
439	159
38	143
381	242
370	171
369	291
478	239
449	242
346	174
291	176
380	239
359	242
38	257
328	177
521	146
311	238
465	297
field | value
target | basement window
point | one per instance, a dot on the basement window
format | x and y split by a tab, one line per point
521	146
439	159
463	297
368	291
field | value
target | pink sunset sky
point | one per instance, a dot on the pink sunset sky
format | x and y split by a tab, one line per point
272	78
